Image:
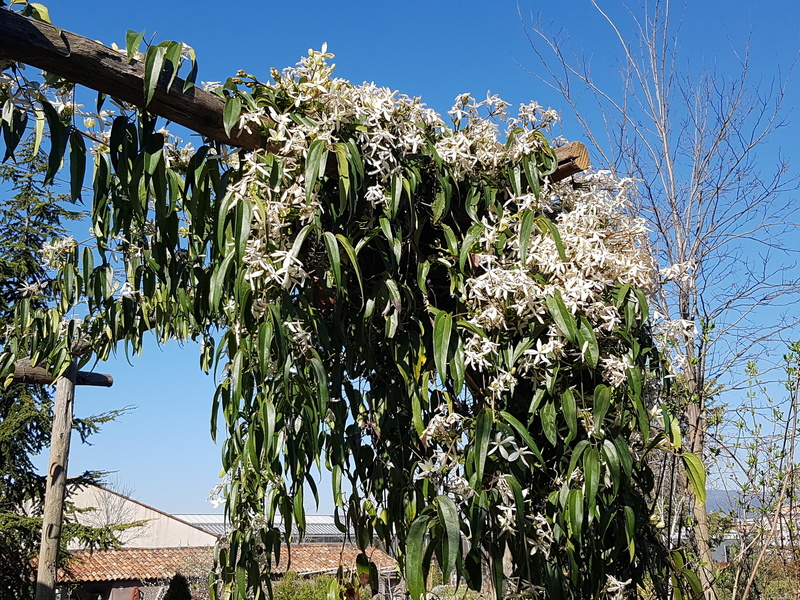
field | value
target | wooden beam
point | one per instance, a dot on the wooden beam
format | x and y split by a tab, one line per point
53	516
572	159
92	64
24	372
100	68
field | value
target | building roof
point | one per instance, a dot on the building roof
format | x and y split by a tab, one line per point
138	563
307	559
319	528
163	563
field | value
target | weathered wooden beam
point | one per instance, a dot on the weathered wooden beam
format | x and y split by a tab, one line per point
92	64
100	68
24	372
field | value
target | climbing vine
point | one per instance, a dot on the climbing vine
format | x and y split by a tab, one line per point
409	303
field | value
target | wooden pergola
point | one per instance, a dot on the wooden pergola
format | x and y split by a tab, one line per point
91	64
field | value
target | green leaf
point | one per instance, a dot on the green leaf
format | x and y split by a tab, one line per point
624	454
153	65
519	503
588	342
451	545
473	234
548	414
133	41
673	429
297	244
442	328
316	162
218	283
546	224
191	78
415	554
351	254
525	229
591	473
612	462
270	418
38	129
696	474
39	12
575	507
570	413
333	256
172	60
322	378
59	136
231	113
630	531
423	268
336	482
15	122
531	173
564	319
602	401
77	163
244	223
458	367
483	429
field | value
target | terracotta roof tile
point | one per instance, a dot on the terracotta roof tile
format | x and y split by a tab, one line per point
163	563
138	563
314	558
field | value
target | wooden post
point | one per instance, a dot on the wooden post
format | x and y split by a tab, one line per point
56	486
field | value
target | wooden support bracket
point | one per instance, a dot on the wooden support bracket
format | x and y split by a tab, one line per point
24	372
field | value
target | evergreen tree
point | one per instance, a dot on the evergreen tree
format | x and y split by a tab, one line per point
178	589
30	215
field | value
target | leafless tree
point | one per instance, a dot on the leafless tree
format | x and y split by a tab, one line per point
110	506
716	195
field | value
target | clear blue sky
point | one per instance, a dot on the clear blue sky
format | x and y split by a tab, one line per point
434	49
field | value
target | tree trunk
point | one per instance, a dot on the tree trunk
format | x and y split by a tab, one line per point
56	486
696	434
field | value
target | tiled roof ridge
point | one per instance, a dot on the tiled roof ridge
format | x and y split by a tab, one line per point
89	551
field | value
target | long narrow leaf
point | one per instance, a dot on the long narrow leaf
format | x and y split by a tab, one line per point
153	64
415	554
696	474
77	163
231	113
451	544
442	328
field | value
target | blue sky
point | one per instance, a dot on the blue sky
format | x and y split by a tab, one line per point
435	49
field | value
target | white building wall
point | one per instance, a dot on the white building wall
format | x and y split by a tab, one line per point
161	530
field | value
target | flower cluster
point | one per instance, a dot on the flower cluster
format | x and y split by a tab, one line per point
600	246
385	126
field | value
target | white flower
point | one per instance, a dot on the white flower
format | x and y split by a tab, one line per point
678	272
300	336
